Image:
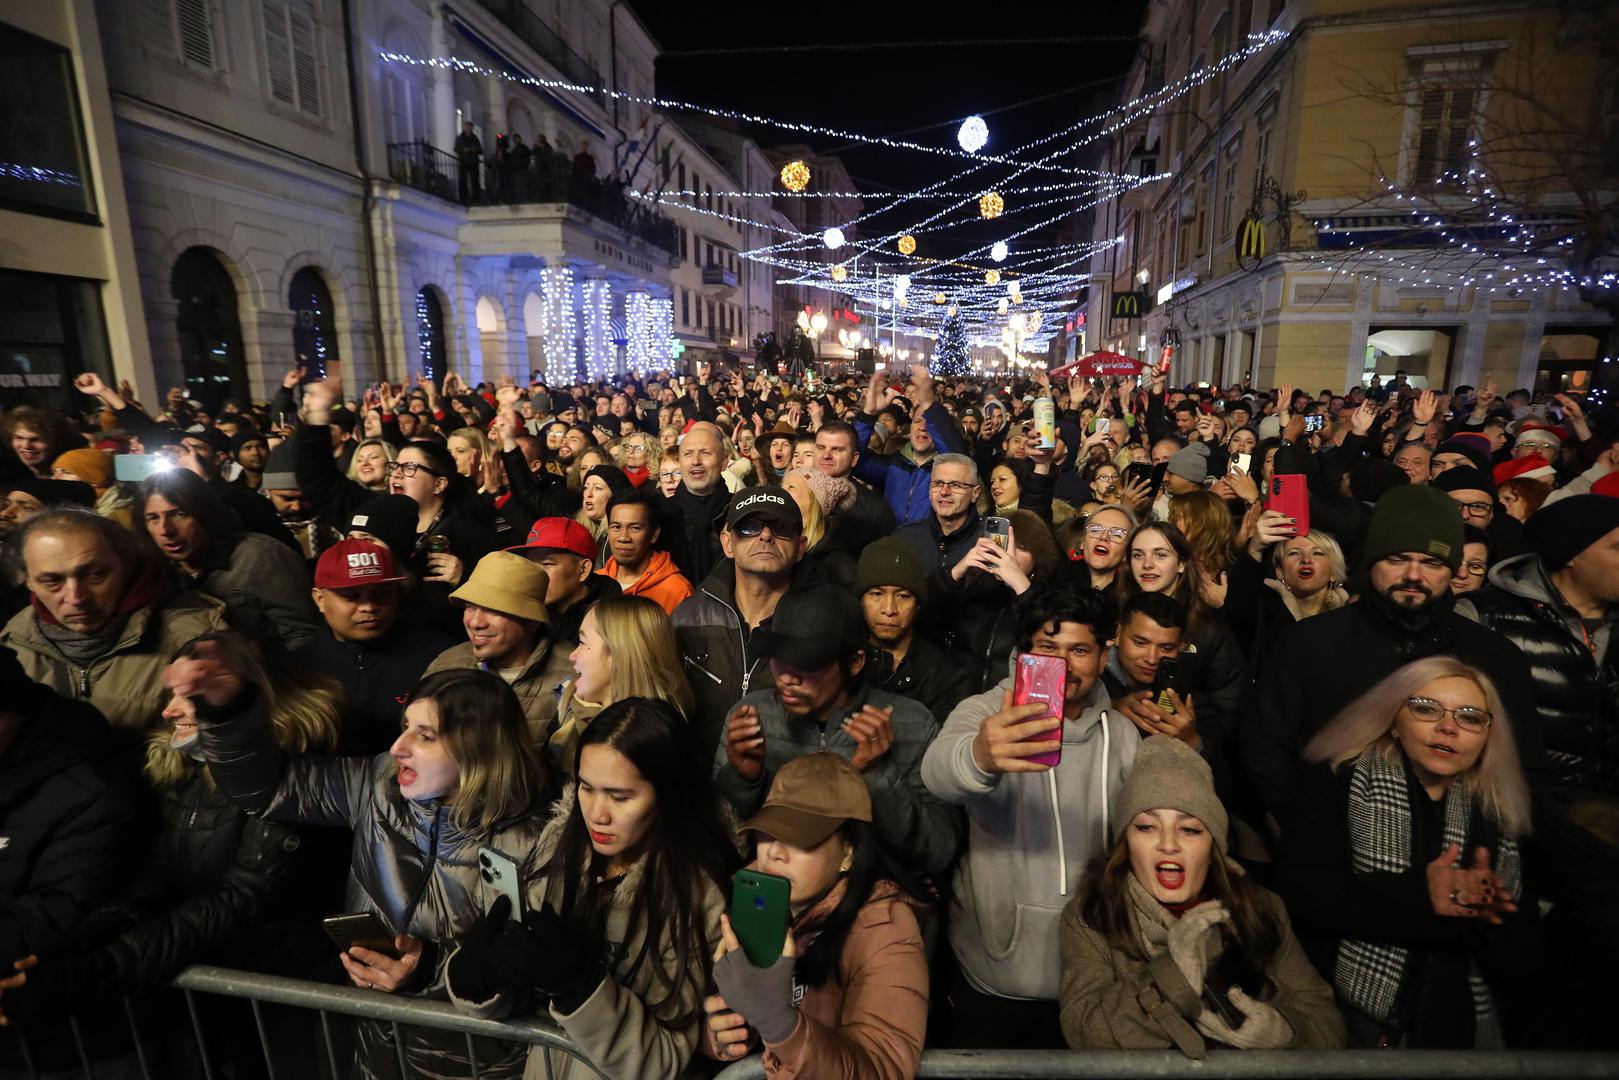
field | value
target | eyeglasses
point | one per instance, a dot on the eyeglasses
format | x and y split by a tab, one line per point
1099	531
407	469
1428	711
748	528
1477	568
674	475
951	485
1474	509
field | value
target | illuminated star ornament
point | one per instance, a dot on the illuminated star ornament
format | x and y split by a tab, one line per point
973	135
795	176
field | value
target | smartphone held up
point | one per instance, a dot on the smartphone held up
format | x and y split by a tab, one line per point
1042	680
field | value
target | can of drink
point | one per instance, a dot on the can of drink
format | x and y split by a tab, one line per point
438	544
1165	358
1045	422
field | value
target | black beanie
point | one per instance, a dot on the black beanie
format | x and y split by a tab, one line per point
612	476
1563	529
53	493
1464	478
1371	478
1415	518
391	519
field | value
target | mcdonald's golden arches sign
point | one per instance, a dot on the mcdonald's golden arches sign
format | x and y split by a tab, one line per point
1129	305
1250	242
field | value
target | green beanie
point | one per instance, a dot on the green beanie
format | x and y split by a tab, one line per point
1416	518
891	561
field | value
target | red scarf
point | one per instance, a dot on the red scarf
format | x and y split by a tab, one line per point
638	476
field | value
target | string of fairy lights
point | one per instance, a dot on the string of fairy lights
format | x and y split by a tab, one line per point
894	259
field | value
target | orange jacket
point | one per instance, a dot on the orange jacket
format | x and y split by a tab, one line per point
660	582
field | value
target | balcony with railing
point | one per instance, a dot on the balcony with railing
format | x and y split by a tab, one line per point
526	178
538	35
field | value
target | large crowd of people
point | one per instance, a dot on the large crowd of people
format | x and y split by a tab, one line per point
517	679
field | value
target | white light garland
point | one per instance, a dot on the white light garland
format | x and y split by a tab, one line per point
598	309
638	330
556	294
661	315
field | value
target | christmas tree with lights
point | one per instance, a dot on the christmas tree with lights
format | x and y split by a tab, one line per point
950	358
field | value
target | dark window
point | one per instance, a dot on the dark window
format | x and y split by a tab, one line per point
430	332
209	330
44	168
51	330
1444	121
314	330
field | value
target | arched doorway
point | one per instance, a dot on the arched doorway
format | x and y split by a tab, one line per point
210	330
314	331
490	320
430	333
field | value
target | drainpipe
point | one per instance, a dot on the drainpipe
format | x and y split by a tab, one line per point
368	201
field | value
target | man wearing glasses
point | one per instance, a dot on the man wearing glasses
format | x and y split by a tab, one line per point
953	526
763	541
1473	492
1412	550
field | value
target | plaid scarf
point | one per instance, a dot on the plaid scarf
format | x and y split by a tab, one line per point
1368	974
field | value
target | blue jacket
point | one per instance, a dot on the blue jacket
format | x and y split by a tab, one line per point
903	482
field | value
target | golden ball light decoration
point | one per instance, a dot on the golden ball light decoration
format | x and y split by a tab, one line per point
992	277
938	298
840	273
907	244
795	176
990	205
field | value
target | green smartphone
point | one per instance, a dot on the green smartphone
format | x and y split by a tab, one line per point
759	914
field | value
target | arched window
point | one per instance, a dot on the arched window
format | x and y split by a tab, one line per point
314	331
430	332
210	330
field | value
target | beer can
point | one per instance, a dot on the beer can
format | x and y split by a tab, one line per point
438	544
1045	422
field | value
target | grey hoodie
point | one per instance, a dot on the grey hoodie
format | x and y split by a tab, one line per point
1029	836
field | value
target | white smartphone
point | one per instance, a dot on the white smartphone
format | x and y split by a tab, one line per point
1241	462
499	874
1103	424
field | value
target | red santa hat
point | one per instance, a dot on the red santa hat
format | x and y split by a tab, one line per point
1530	467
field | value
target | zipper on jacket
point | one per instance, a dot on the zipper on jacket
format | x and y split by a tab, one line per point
741	640
84	683
694	663
427	875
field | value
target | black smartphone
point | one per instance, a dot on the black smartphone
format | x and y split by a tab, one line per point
362	928
1315	422
1159	471
1138	472
1232	969
1164	681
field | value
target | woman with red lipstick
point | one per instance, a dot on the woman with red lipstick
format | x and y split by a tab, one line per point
623	909
1402	861
1169	944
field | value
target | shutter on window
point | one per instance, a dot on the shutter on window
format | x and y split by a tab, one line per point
196	32
278	51
305	64
1460	122
157	26
1429	122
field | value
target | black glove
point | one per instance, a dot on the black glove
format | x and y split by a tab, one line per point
544	953
474	973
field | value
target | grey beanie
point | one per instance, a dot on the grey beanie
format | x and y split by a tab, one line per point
1169	775
279	469
1191	462
1270	427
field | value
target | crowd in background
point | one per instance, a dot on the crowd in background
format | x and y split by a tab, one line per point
1334	760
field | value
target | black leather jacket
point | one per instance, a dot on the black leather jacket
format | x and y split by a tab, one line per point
1576	698
714	652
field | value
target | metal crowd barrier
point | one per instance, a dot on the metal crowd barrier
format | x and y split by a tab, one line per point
325	1000
1246	1065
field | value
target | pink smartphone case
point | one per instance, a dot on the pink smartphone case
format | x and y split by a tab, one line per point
1042	679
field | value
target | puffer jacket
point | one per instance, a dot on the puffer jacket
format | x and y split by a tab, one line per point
414	865
264	587
616	1028
377	676
1576	677
900	477
714	650
538	687
125	683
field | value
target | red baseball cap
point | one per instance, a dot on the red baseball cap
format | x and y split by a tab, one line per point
350	564
559	534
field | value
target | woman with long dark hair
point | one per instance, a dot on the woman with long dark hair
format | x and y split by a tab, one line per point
1168	942
623	908
854	944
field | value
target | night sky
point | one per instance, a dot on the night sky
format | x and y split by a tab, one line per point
865	82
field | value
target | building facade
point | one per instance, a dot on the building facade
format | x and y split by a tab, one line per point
1282	249
405	187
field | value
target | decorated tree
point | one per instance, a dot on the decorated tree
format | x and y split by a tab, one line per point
950	359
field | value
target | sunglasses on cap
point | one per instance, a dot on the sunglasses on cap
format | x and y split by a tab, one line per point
750	527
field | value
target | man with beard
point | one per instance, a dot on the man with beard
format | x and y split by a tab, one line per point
1407	612
816	648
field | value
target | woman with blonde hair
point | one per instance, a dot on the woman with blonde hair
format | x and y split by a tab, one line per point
637	454
1401	865
626	649
1282	579
826	559
369	465
463	775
